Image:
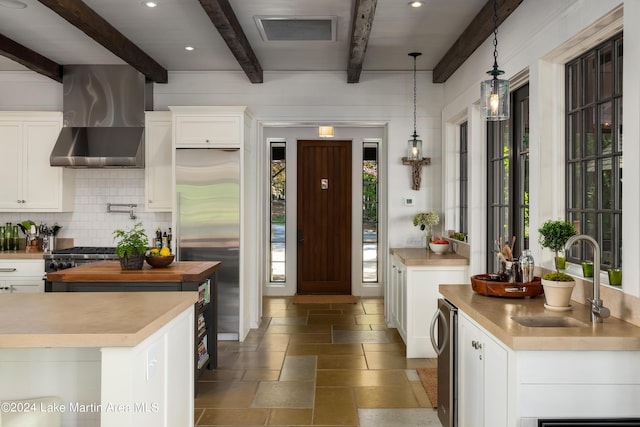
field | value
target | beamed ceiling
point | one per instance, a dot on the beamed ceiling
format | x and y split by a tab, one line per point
248	35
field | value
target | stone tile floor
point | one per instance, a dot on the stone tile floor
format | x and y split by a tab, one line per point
316	364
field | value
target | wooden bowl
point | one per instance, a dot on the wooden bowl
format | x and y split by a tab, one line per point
159	261
486	284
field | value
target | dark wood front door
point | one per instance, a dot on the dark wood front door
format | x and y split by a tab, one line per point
324	217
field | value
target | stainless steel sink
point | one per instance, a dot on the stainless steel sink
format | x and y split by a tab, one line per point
549	322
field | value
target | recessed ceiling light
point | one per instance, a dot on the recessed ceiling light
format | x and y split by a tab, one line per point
150	4
189	48
13	4
415	3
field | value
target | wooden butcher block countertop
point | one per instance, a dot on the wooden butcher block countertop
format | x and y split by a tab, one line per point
495	315
87	319
110	271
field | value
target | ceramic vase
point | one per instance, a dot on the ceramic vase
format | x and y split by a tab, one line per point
557	294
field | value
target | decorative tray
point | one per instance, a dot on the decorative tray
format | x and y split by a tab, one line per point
490	285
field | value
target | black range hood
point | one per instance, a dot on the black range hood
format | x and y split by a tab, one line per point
104	109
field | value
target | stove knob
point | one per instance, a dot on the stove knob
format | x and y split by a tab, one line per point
68	265
53	266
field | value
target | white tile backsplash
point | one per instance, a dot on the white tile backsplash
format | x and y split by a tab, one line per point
89	224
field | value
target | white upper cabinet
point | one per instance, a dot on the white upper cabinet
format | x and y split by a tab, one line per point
216	127
158	172
29	182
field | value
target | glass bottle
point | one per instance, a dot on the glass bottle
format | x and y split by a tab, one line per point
15	238
2	238
7	237
526	266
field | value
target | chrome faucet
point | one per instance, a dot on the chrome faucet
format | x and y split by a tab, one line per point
598	311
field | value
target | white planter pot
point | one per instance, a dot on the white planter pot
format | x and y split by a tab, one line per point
557	294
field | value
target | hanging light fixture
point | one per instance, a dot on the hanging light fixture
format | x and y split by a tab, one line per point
415	144
494	93
414	155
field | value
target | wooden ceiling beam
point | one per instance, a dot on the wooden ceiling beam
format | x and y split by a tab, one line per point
363	13
471	38
222	16
30	59
85	19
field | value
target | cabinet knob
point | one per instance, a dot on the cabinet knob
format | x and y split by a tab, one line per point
206	140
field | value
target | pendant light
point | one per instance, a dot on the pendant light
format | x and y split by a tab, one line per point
415	144
494	93
414	155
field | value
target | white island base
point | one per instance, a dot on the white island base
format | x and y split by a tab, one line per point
141	376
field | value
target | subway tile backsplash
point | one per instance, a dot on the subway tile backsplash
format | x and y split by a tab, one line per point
89	224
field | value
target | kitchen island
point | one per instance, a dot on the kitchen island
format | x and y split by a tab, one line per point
196	276
114	359
576	369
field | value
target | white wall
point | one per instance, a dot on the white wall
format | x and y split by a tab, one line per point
538	38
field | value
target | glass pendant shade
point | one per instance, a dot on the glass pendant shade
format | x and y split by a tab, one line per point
415	148
494	99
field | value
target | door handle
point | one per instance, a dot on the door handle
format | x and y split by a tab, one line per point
439	348
300	238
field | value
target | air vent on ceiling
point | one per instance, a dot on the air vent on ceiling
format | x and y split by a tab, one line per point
297	28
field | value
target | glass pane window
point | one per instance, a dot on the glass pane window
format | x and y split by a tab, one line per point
594	150
508	180
278	206
463	226
370	193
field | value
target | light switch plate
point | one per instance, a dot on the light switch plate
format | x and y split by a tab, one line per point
408	201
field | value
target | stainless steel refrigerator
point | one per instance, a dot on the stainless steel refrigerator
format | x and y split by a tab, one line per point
208	223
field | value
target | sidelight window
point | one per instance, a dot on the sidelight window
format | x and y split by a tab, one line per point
370	212
594	150
277	210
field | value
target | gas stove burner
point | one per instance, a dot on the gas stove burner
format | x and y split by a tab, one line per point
86	250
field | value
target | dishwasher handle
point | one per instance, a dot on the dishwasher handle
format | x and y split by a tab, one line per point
434	323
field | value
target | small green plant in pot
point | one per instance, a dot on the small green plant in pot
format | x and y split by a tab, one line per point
131	246
554	235
557	285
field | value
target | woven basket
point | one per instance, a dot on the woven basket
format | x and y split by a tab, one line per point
133	262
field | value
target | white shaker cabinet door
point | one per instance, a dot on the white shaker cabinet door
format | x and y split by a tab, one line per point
482	378
158	170
11	170
42	183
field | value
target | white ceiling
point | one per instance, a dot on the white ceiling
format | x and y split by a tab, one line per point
164	31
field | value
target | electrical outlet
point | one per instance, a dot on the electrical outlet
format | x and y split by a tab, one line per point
412	241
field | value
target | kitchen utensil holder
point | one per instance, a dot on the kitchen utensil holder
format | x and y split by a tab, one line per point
131	207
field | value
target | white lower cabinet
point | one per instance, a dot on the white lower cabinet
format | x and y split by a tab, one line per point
21	276
482	377
500	387
412	300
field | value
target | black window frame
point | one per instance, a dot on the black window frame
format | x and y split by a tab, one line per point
508	174
594	103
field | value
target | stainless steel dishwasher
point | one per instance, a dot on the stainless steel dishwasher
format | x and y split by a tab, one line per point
444	330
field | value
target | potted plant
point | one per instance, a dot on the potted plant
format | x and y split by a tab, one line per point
131	246
426	221
557	285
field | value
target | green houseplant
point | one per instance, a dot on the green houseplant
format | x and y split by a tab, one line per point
426	221
131	246
557	285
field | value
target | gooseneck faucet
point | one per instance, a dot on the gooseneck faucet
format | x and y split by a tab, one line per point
598	311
